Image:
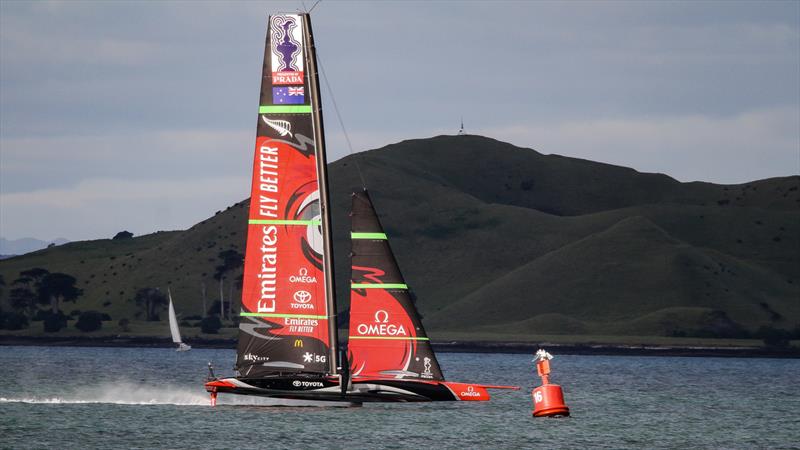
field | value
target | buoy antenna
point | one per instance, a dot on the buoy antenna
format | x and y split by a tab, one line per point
542	355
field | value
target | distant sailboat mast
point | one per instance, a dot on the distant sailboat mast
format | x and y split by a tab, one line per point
461	131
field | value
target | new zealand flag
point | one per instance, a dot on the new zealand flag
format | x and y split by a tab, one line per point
288	95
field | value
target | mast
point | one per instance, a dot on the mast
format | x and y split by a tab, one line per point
322	162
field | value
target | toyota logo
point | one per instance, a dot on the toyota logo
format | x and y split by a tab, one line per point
302	297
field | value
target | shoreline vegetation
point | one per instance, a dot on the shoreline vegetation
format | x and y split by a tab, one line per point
569	345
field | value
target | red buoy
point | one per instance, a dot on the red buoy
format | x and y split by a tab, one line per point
548	399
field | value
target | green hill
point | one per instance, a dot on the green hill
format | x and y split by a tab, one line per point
507	240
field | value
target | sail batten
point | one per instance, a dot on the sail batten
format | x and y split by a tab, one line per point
378	286
296	316
285	109
283	222
286	291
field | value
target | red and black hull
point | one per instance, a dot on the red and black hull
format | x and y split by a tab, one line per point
361	390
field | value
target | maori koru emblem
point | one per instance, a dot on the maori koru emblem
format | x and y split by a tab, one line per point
287	47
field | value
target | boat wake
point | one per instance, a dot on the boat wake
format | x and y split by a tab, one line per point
127	393
121	393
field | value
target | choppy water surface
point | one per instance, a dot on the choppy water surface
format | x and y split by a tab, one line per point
58	397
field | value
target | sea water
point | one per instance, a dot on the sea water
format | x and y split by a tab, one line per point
62	397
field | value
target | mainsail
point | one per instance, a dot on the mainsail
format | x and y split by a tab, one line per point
173	327
287	292
386	335
173	322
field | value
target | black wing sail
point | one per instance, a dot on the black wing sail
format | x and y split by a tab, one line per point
287	304
387	339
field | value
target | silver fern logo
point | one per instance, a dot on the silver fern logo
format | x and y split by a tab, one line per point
283	127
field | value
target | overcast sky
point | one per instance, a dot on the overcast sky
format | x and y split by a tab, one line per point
141	115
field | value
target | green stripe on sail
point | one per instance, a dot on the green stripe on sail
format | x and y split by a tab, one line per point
288	316
393	338
378	286
368	236
282	222
284	109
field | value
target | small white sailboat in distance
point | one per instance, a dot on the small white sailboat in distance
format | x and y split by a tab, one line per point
173	328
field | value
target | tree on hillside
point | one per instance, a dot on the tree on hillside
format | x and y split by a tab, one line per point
23	300
11	320
231	260
210	325
89	321
203	293
31	277
151	300
123	235
216	307
55	288
239	283
23	296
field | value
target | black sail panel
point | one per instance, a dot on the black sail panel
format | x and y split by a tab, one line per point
386	338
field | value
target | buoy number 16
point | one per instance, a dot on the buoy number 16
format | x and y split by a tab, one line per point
537	396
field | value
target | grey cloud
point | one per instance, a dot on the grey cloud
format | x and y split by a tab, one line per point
167	91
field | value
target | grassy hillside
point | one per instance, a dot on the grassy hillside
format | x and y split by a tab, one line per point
508	240
111	271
